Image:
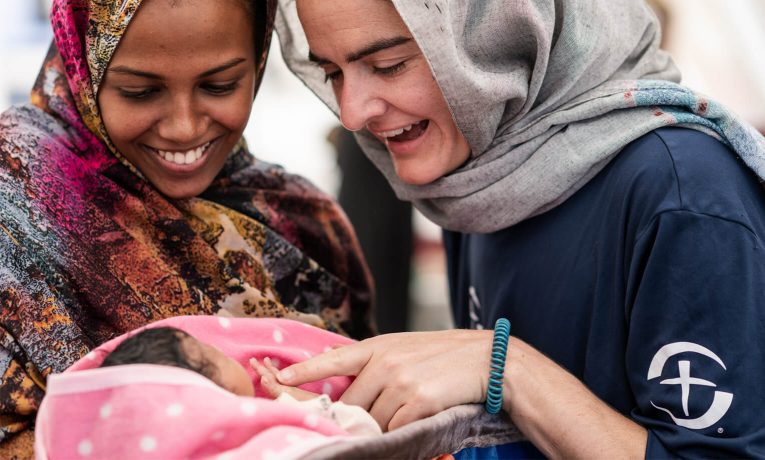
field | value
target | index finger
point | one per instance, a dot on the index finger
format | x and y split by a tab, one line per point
343	361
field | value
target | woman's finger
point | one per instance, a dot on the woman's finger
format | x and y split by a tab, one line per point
385	407
409	413
364	389
348	360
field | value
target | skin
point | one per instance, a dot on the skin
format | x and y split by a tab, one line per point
232	376
395	373
227	372
382	82
177	83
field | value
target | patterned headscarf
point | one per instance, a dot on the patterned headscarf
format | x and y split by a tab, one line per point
546	92
89	249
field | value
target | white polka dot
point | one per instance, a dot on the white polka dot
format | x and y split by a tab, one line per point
311	420
248	408
148	444
91	356
225	323
174	410
292	438
326	388
105	411
278	336
218	435
85	447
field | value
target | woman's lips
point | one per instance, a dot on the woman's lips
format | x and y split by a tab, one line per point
407	133
185	157
183	161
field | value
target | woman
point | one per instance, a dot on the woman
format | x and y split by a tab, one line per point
585	196
128	195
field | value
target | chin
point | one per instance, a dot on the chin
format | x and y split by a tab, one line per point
182	191
416	177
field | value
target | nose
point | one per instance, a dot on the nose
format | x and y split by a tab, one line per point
359	103
184	123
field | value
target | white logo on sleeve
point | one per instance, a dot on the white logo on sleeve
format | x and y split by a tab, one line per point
722	400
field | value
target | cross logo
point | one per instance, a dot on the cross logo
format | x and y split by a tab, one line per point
722	400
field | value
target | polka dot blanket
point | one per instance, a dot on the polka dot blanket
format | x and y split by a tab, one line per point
160	412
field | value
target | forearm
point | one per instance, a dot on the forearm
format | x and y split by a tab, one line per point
560	415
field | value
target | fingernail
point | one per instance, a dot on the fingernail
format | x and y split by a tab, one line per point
285	375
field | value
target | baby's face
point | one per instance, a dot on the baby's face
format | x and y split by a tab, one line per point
228	373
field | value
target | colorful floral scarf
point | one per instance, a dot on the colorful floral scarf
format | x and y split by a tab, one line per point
90	250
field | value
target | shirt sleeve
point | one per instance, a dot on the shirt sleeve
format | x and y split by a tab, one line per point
696	347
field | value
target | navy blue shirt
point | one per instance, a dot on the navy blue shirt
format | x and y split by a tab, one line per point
648	284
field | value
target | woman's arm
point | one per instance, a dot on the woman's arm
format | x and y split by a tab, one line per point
406	377
559	415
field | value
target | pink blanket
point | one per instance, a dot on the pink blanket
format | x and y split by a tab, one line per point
148	411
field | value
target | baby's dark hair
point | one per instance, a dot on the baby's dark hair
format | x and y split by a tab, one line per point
160	345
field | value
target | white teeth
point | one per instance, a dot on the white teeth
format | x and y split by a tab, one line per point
184	158
396	132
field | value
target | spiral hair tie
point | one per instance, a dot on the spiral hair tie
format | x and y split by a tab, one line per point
498	353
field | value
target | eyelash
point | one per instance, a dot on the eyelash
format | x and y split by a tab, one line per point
215	90
219	90
140	95
391	70
385	71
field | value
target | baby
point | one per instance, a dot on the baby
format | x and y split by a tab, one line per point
169	346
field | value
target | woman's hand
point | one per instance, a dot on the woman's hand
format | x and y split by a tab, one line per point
405	377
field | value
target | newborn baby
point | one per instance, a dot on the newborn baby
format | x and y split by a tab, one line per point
169	346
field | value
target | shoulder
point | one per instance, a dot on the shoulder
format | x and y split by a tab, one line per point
680	169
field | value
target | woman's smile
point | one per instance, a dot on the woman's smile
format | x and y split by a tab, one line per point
183	161
405	140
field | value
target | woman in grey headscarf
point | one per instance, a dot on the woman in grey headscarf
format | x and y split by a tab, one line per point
614	216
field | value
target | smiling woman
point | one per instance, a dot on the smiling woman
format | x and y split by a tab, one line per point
177	94
128	195
382	82
613	215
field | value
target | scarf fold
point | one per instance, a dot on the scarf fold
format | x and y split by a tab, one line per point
89	249
546	92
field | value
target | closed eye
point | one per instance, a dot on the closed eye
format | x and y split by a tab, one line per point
138	94
332	76
219	90
391	70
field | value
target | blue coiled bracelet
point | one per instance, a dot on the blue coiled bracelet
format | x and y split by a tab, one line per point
498	353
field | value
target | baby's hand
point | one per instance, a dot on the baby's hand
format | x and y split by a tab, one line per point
267	372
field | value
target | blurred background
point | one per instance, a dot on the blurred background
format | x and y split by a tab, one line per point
718	44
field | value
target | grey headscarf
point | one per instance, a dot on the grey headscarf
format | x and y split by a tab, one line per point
546	93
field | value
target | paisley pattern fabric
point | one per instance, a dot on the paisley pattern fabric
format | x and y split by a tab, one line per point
90	250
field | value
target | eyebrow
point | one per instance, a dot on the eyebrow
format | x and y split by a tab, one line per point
372	48
153	76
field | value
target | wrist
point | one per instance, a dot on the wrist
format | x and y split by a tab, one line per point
494	399
512	383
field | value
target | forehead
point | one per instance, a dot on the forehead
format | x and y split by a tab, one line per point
187	29
349	23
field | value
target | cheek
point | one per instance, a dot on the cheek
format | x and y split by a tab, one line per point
233	115
124	122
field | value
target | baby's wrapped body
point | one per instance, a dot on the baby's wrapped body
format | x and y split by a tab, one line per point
162	410
100	408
